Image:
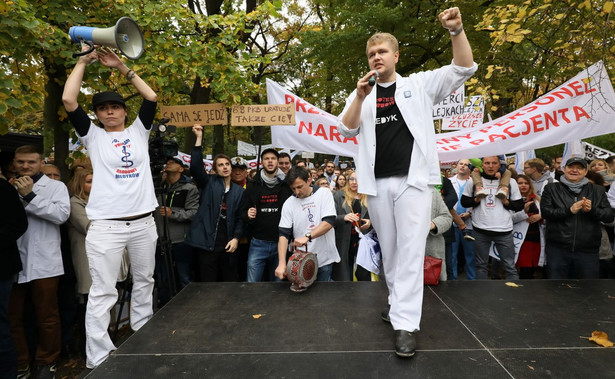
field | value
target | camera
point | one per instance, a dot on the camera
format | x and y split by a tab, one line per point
161	148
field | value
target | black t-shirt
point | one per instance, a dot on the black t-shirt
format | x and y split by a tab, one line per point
222	231
393	139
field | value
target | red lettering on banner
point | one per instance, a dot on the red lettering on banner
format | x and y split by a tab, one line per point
559	93
452	147
320	132
333	133
528	128
493	137
551	119
511	134
562	112
477	142
536	121
587	90
576	86
580	112
288	99
308	127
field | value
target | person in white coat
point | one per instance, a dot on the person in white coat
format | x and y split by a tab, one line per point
47	206
397	162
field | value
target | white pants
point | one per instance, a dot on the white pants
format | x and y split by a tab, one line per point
401	215
105	243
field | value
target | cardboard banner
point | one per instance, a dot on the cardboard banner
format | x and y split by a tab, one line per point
451	105
582	107
187	115
314	130
472	116
263	115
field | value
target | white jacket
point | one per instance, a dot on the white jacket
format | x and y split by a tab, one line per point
415	96
39	247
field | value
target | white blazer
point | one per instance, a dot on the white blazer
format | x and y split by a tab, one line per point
39	246
415	96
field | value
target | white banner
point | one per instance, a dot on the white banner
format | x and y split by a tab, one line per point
594	152
209	164
244	148
582	107
451	106
315	130
472	116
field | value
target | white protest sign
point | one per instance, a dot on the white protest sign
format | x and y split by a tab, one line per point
472	116
451	105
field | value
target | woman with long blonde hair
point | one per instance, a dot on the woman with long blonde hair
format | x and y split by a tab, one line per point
78	225
352	214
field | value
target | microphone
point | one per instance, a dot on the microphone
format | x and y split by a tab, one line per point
372	80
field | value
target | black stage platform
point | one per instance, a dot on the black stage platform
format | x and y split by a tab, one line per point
481	329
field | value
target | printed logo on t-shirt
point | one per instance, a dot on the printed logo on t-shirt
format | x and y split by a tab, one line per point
269	203
310	217
126	171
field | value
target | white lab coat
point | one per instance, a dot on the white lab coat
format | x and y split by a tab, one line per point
39	247
415	96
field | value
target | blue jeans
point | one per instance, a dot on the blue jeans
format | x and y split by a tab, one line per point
468	253
505	247
8	355
565	264
262	254
324	273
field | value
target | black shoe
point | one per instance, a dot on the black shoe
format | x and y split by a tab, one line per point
385	314
46	371
405	343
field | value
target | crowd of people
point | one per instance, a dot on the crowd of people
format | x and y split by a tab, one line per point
69	245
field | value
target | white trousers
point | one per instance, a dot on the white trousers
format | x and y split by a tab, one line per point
105	244
401	215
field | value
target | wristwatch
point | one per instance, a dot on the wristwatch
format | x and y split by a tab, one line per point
309	236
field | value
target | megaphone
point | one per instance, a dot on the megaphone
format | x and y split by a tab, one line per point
125	36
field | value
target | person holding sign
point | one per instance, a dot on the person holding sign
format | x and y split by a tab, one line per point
121	202
398	163
217	227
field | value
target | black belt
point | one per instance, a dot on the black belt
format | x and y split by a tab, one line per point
131	218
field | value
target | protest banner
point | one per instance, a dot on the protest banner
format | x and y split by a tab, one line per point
187	115
450	106
472	116
263	115
582	107
314	129
594	152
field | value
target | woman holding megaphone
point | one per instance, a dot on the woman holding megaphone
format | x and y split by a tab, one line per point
121	201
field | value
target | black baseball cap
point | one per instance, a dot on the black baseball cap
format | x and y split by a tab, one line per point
578	160
270	150
107	97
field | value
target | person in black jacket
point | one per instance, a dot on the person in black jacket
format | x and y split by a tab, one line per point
264	198
217	227
13	223
574	208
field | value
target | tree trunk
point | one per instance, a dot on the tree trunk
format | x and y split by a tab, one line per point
53	101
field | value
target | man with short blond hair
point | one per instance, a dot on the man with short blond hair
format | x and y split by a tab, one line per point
397	163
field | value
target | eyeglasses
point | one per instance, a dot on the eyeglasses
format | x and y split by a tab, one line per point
352	179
